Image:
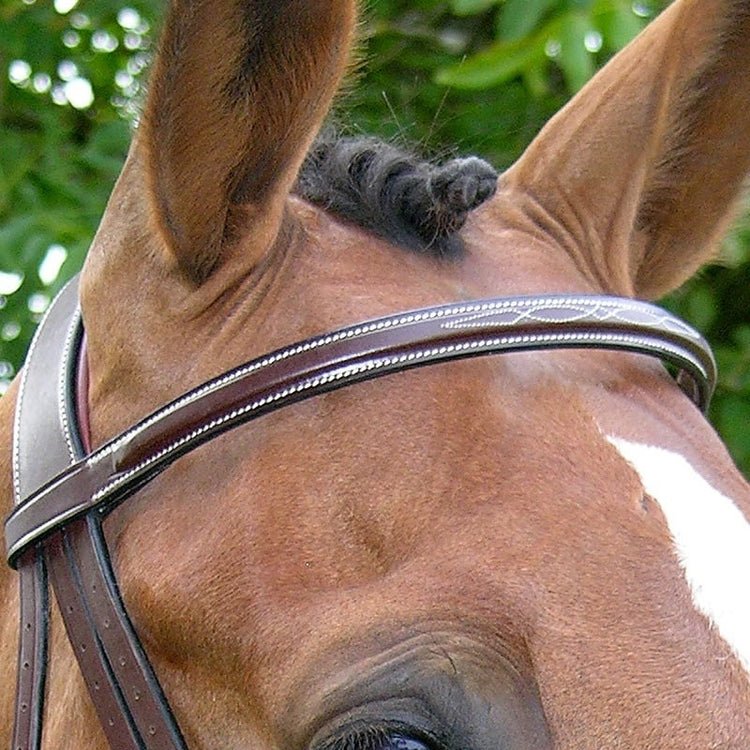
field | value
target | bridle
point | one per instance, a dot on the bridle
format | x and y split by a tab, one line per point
63	490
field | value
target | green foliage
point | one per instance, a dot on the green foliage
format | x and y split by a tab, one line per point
718	303
61	150
477	76
533	35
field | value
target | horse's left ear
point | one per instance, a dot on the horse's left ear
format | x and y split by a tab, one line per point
238	90
639	175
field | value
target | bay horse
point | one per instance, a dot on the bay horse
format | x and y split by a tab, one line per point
535	550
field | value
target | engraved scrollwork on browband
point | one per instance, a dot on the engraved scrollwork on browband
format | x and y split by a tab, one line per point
562	309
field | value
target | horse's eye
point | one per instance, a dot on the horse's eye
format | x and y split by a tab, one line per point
400	742
378	739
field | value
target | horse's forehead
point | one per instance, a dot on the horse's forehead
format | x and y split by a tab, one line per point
480	481
539	552
486	487
498	258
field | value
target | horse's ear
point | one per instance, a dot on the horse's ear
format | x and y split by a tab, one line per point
237	92
640	173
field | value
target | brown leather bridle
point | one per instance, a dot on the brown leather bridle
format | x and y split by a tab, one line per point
63	490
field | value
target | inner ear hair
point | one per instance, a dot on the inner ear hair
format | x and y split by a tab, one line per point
237	93
692	191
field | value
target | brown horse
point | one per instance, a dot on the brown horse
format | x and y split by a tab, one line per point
540	550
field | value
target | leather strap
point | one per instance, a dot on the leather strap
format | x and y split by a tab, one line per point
42	447
32	652
63	491
351	355
131	706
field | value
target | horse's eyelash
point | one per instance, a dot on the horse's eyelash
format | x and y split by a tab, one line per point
363	739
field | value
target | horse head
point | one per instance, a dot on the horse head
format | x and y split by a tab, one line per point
539	550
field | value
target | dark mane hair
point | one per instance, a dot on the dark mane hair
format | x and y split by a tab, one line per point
409	201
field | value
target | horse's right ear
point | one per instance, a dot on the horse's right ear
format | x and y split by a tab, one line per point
237	93
638	176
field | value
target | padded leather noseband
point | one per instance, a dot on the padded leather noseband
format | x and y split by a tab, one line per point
63	490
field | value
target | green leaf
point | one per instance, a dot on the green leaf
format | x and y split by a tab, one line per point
14	234
576	62
495	65
535	79
471	7
732	417
520	17
617	22
701	308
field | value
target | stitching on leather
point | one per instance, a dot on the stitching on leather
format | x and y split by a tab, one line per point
17	427
21	397
585	308
483	308
352	370
62	385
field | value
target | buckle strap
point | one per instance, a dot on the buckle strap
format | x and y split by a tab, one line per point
32	652
132	708
42	400
125	692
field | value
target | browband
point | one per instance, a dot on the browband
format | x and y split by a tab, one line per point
63	490
350	355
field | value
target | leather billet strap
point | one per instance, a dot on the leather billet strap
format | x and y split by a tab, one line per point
42	447
132	708
32	651
133	711
369	350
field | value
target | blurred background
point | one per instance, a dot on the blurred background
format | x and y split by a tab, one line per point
458	76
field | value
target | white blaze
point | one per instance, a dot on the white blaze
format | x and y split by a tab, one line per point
711	537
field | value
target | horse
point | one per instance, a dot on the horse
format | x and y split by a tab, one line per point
544	549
